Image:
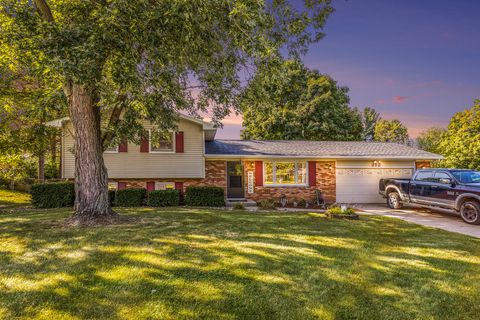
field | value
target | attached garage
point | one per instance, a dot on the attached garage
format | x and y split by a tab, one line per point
357	181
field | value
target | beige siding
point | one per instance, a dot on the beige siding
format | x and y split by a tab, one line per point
135	164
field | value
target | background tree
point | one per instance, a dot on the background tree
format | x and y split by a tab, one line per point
431	139
391	131
26	103
369	118
126	60
285	100
461	143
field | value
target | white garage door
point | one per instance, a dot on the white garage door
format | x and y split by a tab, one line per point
360	185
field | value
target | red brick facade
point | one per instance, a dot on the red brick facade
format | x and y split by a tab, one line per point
216	175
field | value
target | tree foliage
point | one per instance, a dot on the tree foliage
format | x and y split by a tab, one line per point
391	131
461	142
369	118
286	100
430	140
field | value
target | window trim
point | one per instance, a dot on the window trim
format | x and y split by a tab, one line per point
274	162
166	151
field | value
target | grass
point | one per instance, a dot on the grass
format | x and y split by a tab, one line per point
9	199
213	264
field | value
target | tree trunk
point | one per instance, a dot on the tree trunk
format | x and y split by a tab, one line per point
41	167
92	203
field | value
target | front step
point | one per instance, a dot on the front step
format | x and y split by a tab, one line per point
246	203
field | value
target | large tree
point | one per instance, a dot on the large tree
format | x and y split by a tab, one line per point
391	131
286	100
461	143
126	60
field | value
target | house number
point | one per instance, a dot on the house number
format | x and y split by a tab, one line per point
250	182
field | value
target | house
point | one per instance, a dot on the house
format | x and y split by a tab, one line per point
346	172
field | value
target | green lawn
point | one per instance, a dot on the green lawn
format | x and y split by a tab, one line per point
10	199
209	264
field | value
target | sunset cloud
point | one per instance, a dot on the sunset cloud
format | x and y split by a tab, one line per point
400	99
380	101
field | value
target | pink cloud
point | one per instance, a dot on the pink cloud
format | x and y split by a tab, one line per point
380	101
400	99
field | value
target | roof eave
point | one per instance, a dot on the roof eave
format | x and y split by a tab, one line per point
347	157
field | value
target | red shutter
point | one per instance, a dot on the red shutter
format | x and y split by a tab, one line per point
258	173
144	143
123	146
179	142
150	186
179	186
121	185
312	173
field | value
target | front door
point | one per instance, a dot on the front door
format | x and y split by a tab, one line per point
235	188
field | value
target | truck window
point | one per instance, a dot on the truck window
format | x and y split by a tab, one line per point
425	176
442	177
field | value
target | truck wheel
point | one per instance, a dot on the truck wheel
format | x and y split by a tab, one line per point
470	212
393	200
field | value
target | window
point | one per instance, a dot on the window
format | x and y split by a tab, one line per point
285	173
425	176
112	185
161	142
467	176
164	185
112	149
442	177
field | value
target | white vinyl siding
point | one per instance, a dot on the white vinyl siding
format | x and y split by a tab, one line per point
136	164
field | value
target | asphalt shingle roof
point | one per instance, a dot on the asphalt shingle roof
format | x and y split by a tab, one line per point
333	149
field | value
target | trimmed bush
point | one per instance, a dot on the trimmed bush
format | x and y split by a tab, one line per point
53	195
111	196
134	197
163	198
205	197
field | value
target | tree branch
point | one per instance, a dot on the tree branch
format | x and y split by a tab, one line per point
44	10
114	118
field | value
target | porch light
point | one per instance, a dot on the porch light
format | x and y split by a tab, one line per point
376	164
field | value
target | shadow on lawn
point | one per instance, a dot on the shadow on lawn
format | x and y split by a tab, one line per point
217	264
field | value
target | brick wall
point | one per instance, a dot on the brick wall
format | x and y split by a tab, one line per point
326	182
215	175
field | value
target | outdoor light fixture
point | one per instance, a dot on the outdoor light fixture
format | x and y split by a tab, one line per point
376	164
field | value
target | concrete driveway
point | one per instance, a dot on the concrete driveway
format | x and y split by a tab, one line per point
436	218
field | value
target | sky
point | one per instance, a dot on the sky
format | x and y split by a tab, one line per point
413	60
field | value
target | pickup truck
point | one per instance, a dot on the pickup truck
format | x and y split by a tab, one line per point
453	189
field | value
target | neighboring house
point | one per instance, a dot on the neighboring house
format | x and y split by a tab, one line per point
345	172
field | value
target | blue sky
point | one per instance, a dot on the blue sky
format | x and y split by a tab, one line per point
417	61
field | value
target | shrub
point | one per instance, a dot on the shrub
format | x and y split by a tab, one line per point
239	206
163	198
111	196
53	195
134	197
338	210
267	204
302	203
205	197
